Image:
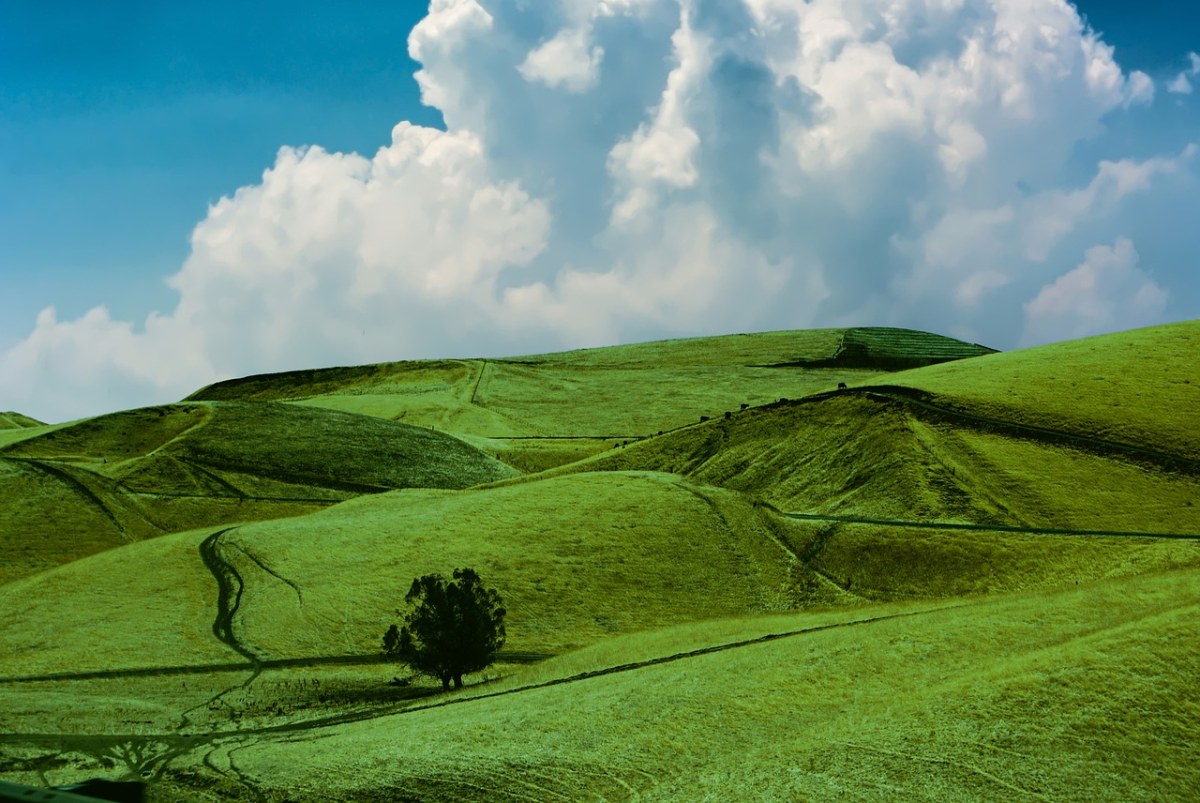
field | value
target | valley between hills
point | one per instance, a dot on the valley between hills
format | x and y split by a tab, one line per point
853	564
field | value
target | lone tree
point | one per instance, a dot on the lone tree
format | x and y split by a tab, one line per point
451	630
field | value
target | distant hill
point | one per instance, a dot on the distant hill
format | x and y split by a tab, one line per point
541	410
11	420
944	440
122	477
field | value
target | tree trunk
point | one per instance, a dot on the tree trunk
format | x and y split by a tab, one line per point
445	683
458	681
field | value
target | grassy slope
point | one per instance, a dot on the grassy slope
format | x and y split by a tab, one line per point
109	480
1080	694
881	457
11	420
94	613
1141	387
541	411
579	558
613	392
1057	691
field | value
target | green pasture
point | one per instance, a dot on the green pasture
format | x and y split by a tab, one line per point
12	420
616	392
74	490
967	576
1140	387
1085	693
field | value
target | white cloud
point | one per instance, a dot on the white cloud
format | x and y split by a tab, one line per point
1106	292
1180	85
699	167
567	60
1052	215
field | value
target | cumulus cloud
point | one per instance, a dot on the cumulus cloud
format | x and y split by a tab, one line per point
627	169
565	60
1181	83
1107	292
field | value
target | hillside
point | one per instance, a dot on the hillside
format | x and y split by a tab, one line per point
1140	387
11	420
1093	699
585	556
966	575
924	445
119	478
611	393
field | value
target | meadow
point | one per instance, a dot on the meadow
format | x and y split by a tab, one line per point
965	575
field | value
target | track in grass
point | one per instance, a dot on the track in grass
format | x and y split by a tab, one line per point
198	739
1002	528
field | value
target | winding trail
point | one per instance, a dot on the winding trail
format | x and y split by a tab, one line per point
229	595
230	587
260	563
1003	528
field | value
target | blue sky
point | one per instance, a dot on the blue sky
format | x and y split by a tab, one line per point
121	123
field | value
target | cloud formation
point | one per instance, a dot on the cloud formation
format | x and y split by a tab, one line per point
1108	291
626	169
1181	83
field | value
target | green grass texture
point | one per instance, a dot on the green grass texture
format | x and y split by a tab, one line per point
967	575
77	489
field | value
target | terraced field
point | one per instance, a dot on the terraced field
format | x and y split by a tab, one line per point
970	580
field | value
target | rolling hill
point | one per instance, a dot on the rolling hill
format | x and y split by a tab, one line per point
965	575
119	478
11	420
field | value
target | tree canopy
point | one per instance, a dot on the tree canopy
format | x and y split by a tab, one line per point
451	629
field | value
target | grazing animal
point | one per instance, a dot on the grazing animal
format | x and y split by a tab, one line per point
728	415
841	386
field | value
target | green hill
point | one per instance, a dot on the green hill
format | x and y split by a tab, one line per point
11	420
584	557
1080	694
614	392
543	410
987	440
1140	387
118	478
966	575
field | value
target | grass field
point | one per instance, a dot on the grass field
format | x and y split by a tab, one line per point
11	420
977	579
80	488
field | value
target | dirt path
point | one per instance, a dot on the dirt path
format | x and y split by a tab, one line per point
478	380
229	594
1003	528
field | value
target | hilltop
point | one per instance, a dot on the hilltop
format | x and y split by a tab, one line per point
613	392
11	420
95	484
542	410
867	563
